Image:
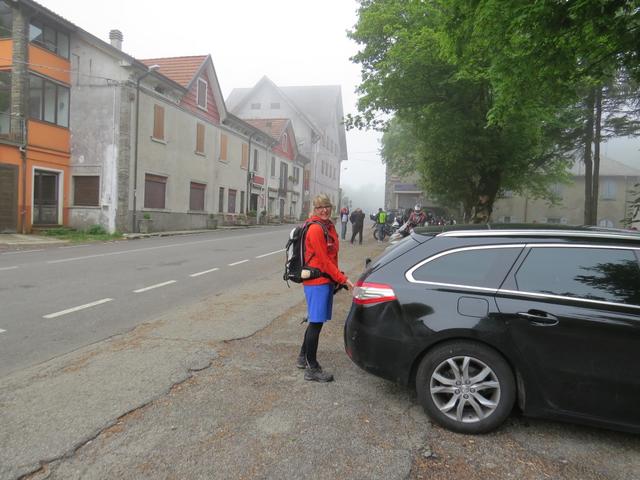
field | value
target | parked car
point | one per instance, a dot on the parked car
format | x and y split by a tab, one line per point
479	319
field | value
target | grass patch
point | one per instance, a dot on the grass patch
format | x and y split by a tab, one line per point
95	233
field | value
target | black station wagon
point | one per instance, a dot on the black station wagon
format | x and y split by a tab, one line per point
480	318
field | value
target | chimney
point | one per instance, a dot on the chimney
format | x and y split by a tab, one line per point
116	38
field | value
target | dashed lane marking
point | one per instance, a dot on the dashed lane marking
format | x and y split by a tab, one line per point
7	268
157	285
2	331
205	272
238	263
75	309
270	253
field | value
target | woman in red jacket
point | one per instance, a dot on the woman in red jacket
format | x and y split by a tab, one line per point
321	253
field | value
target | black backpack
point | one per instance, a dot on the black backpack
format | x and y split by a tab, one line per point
295	269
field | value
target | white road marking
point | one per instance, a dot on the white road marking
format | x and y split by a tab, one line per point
8	268
2	331
182	244
270	253
23	251
238	263
206	271
75	309
158	285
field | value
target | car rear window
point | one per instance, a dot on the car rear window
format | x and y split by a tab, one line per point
604	274
484	267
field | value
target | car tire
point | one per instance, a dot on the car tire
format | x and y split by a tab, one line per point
466	387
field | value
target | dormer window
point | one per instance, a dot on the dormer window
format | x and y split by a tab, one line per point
202	93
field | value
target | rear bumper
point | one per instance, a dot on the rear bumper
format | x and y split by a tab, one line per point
368	344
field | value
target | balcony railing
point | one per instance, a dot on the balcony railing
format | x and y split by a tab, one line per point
11	129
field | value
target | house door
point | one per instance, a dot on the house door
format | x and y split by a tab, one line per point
281	209
45	198
8	198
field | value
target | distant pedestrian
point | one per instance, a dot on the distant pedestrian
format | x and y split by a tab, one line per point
321	253
381	220
344	219
357	224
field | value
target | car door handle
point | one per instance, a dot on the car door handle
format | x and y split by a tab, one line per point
541	319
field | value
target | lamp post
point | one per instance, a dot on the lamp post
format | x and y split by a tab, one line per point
135	155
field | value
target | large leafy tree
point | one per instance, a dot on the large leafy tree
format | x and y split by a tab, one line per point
420	62
548	55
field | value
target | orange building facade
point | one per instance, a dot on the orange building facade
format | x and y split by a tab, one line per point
34	133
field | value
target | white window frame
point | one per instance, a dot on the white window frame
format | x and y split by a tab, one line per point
608	190
202	81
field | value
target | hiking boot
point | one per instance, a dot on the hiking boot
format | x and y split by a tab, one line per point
301	362
317	375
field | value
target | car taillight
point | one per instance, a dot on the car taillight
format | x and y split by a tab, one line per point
365	293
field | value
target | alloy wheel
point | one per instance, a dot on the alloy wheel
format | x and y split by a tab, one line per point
465	389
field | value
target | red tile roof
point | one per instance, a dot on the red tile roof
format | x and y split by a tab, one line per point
272	126
179	69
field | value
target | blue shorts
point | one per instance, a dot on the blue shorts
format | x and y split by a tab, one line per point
319	302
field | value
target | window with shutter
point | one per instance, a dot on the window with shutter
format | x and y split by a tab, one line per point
86	191
196	196
223	147
200	138
158	122
155	188
245	157
231	207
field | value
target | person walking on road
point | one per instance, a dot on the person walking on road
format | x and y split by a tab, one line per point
322	253
381	219
357	224
344	218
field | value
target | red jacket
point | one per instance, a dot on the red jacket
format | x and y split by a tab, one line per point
323	254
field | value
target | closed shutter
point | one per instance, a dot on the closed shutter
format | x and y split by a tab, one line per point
245	157
155	188
158	122
223	147
86	191
199	138
196	196
231	207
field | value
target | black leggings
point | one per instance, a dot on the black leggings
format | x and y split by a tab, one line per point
310	344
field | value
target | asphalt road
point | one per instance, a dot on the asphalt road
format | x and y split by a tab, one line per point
55	300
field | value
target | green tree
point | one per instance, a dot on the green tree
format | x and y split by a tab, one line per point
547	56
420	62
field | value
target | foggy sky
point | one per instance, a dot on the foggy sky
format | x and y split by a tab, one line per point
293	42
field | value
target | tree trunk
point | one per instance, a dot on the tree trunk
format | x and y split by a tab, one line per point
487	191
596	159
588	163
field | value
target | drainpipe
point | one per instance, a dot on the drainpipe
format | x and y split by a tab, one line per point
248	196
23	157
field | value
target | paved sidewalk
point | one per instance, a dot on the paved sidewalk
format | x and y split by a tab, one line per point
19	239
